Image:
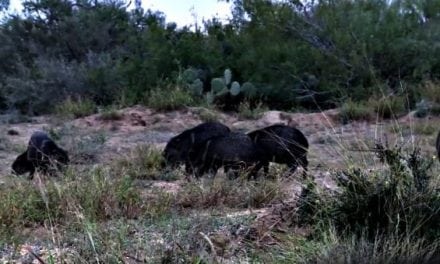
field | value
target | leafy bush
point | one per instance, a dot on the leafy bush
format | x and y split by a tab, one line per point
352	111
389	107
111	114
402	201
75	108
430	91
247	112
168	99
39	89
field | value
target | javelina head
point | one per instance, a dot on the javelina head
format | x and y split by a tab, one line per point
21	165
176	150
55	153
61	156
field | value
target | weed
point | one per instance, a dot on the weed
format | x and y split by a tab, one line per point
424	129
168	99
389	107
144	163
79	107
245	111
230	193
401	201
111	115
207	115
352	111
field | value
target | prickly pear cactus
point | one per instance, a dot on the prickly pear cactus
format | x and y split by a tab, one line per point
210	97
189	75
228	76
235	89
217	85
196	87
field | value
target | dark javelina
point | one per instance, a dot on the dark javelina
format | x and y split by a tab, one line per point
178	149
438	146
282	144
232	151
41	153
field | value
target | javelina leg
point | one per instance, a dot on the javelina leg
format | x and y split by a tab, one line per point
256	168
232	171
31	173
265	166
189	168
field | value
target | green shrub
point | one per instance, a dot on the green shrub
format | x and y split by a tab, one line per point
425	129
71	108
111	115
169	99
247	112
206	114
145	163
430	91
389	107
353	111
400	201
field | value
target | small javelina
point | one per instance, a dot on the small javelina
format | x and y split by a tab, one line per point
232	151
282	144
41	153
178	149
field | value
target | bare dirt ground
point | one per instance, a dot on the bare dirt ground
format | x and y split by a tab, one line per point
333	145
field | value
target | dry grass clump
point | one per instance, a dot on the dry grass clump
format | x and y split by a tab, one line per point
221	192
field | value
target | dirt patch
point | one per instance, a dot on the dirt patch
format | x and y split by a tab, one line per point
107	137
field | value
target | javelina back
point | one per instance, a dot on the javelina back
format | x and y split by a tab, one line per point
41	153
282	144
178	149
232	151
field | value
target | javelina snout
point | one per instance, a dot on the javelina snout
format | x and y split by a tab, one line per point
232	151
178	149
41	153
282	144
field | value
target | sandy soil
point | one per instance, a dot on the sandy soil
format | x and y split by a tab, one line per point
333	145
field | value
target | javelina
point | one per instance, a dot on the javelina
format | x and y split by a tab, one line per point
438	146
178	149
282	144
232	151
41	153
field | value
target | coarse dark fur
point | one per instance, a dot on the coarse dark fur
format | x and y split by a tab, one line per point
282	144
178	149
233	151
42	153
